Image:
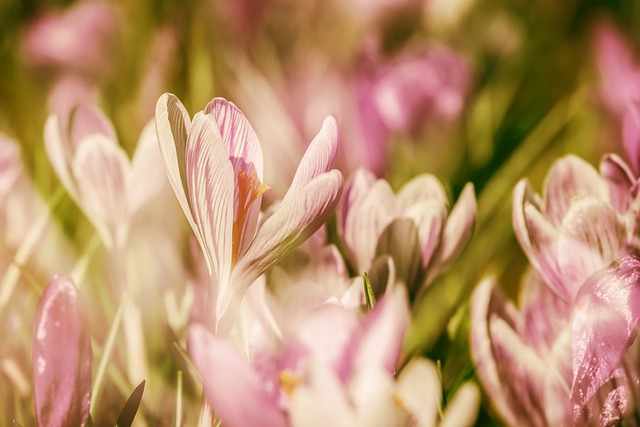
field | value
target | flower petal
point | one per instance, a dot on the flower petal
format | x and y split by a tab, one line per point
619	178
61	356
318	158
211	184
85	120
245	154
237	394
523	196
101	170
462	410
459	228
294	221
603	327
570	178
358	184
147	177
421	188
420	391
59	153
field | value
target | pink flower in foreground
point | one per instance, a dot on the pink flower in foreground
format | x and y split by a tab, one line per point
259	388
61	357
553	364
214	164
414	227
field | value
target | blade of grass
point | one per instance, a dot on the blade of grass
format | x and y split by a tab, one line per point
179	400
106	355
11	276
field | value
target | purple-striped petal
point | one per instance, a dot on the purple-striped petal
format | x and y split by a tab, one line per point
421	188
210	181
603	327
619	178
318	158
238	396
61	357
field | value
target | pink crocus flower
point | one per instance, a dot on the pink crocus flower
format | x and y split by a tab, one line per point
414	227
552	363
583	221
61	357
97	172
412	89
78	40
257	387
214	164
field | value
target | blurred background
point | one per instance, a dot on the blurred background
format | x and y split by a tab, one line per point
486	91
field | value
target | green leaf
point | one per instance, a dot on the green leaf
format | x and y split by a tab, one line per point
369	296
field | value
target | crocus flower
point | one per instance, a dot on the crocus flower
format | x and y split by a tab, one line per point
61	357
414	227
411	89
578	226
214	164
553	363
78	40
256	387
97	172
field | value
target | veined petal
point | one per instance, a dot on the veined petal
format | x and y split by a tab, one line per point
210	181
59	153
429	217
241	141
570	178
486	302
172	126
366	220
61	357
358	185
237	394
147	177
620	180
245	154
603	327
522	197
459	227
294	221
421	188
101	170
318	158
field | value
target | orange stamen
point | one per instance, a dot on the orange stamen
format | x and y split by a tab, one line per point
249	189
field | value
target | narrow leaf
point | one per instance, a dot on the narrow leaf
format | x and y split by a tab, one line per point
369	296
130	409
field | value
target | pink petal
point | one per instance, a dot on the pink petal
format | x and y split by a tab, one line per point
59	153
61	356
238	396
244	153
101	170
381	334
523	196
172	126
486	300
421	188
358	184
294	221
631	136
570	178
366	220
459	227
210	181
420	391
620	180
318	158
86	120
10	165
147	178
604	327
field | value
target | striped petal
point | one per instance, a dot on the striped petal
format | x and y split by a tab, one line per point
61	357
210	182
